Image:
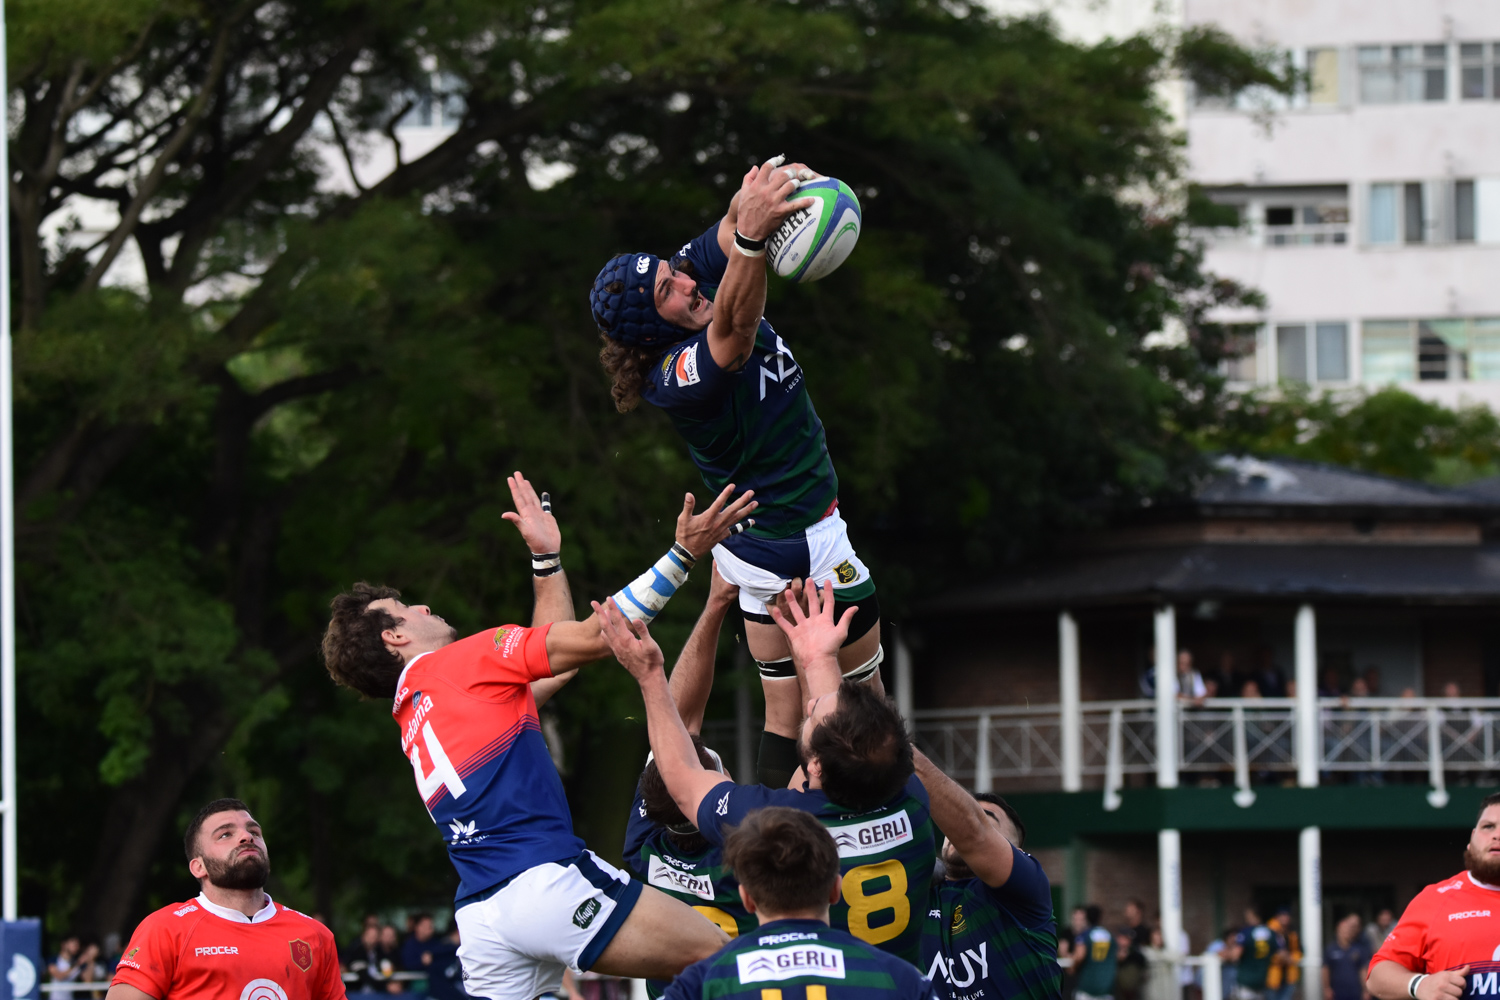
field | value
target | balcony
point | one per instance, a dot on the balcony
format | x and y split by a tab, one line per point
1228	741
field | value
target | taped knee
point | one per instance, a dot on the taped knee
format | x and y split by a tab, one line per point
866	670
777	669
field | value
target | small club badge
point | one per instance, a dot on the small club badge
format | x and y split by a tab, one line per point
301	954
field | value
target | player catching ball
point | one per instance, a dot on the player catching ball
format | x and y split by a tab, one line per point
688	335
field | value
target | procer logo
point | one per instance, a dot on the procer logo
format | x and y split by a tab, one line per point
1465	915
217	949
873	835
768	965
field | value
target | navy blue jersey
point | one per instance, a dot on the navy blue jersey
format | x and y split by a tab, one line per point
700	880
754	427
799	960
885	856
994	943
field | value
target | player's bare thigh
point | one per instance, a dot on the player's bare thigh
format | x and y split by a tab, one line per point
661	937
784	695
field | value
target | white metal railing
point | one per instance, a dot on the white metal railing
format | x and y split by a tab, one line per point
1237	738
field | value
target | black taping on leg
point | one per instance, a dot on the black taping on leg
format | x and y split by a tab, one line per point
866	618
778	760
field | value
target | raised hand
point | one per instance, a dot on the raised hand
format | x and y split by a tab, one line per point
763	204
533	516
812	633
629	640
700	533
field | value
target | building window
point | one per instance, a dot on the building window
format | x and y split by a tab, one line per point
1436	350
1382	225
1391	74
1316	352
1477	77
1413	218
1322	77
1240	353
1463	212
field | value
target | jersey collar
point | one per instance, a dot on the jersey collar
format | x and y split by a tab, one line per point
235	916
1482	885
401	679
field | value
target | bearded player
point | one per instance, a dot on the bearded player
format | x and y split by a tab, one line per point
1445	945
689	336
531	900
230	942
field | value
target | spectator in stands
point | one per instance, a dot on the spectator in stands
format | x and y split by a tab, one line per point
1371	677
420	949
1190	685
65	967
362	958
390	958
1095	959
1133	937
1219	946
1346	962
1252	951
1377	931
445	977
1286	970
1250	689
1067	939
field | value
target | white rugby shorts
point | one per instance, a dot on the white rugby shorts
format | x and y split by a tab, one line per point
516	942
762	567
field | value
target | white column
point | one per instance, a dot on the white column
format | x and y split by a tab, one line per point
984	780
1070	704
1309	731
9	882
1169	875
903	680
1310	852
1166	698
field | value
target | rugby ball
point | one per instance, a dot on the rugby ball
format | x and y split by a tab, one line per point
814	241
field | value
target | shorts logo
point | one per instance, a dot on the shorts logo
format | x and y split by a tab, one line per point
1466	914
767	965
687	366
722	809
586	912
216	949
873	835
664	877
845	571
301	954
262	989
642	264
184	911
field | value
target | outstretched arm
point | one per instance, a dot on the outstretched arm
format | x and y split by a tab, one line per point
693	674
977	837
553	600
572	644
685	777
759	209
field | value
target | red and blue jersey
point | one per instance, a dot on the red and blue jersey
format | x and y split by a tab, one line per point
1449	925
470	729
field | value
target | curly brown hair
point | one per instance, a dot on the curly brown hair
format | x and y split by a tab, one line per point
354	652
628	369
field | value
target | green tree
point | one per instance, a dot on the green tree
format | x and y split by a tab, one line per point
316	381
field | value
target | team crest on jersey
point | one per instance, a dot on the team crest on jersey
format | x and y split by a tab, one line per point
845	571
506	639
959	925
301	954
687	366
131	952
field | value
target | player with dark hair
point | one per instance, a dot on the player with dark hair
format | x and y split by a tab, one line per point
1443	947
688	335
990	933
230	940
532	900
859	784
1095	958
788	867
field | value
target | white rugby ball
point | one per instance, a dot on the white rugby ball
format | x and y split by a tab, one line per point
814	241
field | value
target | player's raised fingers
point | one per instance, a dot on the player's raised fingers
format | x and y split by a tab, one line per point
846	618
720	500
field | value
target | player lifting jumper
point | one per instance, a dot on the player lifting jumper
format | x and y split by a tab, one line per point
531	899
688	335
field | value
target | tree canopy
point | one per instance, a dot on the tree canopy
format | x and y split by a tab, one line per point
249	373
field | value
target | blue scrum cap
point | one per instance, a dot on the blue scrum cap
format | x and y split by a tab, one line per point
623	301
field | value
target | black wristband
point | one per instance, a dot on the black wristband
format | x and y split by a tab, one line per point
545	563
682	553
746	243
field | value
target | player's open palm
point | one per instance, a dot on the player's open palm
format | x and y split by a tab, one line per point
805	615
533	516
629	640
698	533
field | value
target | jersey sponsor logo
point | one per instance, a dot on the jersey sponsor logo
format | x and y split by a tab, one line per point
400	697
586	912
873	836
786	367
664	877
948	968
507	639
126	961
184	911
1483	984
262	989
769	965
845	571
722	809
1466	914
642	264
301	953
216	949
463	832
421	707
131	952
687	366
1455	884
935	914
788	936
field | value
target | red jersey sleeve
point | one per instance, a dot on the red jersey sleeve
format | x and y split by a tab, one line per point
330	984
150	960
516	655
1406	945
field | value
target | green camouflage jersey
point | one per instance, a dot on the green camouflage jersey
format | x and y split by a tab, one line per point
993	943
886	856
799	960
